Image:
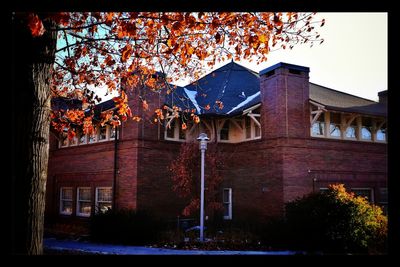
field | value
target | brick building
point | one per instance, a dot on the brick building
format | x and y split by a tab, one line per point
281	137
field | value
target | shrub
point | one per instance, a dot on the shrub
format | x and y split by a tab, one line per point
125	226
336	221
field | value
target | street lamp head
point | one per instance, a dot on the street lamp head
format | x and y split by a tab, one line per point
203	141
203	137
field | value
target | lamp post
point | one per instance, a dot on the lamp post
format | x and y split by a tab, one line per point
203	147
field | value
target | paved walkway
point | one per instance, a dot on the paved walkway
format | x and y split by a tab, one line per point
86	247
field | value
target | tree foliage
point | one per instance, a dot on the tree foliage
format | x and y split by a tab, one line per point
186	177
98	49
337	221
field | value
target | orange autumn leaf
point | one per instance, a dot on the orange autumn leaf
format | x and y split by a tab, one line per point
88	126
126	53
111	85
145	105
71	134
109	18
35	25
184	126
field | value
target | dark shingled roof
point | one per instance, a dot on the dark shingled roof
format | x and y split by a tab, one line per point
238	88
63	103
234	85
106	105
339	101
58	103
179	98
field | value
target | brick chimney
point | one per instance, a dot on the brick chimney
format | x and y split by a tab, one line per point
284	95
382	97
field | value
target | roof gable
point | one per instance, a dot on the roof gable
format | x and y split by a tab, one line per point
231	84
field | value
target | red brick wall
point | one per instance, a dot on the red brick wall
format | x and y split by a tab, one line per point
93	165
263	174
356	164
154	179
253	171
285	110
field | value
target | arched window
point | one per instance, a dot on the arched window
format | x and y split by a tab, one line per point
174	131
224	133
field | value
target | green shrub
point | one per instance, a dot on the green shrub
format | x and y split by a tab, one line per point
336	221
125	226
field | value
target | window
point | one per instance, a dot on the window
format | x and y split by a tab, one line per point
227	202
73	141
92	137
383	199
64	140
103	198
252	129
103	133
113	131
84	205
351	131
247	122
82	139
366	128
66	200
318	127
334	125
224	133
175	132
257	131
381	133
171	130
182	134
364	192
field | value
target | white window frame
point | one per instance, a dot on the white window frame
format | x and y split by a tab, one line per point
63	137
229	130
314	116
378	127
109	130
86	139
177	125
97	201
96	133
76	143
107	134
229	216
63	199
253	125
354	120
78	202
328	128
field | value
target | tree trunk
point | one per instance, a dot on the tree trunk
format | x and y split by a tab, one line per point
33	59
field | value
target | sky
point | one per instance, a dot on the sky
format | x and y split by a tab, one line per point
352	59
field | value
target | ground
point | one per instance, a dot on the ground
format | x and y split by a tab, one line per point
58	246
